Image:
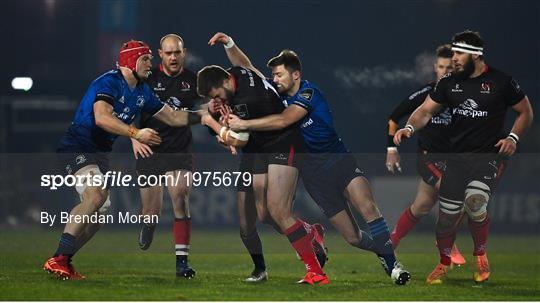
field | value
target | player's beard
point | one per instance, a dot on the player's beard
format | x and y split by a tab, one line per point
468	70
229	94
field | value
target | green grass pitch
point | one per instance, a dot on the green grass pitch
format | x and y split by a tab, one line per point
117	270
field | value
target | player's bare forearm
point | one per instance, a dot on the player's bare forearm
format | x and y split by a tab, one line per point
177	118
103	114
419	118
237	57
525	117
271	122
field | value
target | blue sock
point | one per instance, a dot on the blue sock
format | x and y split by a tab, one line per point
66	246
366	242
382	245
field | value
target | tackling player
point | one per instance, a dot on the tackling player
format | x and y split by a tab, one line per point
177	87
432	143
106	111
330	173
478	96
275	154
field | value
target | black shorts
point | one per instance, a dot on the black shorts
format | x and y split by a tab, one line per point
288	150
464	168
326	181
430	166
160	163
73	162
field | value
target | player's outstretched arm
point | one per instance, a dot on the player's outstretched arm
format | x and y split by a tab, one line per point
290	115
177	118
419	118
508	145
236	56
103	114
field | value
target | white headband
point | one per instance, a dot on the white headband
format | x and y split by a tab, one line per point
467	48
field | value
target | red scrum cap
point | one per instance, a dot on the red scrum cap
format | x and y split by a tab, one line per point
130	53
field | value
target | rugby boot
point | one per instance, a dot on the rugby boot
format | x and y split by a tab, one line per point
58	266
146	235
438	274
482	273
257	276
456	256
312	278
73	274
400	275
321	251
185	271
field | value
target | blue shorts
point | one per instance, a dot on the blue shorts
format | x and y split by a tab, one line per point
326	180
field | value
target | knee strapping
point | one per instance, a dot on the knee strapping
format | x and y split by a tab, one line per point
477	196
449	206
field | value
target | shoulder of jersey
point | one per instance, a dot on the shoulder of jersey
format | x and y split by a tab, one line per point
307	92
110	75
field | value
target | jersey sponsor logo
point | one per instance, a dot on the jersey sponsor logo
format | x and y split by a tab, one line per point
485	88
415	94
241	111
174	102
121	99
468	108
140	101
307	123
443	118
307	94
457	89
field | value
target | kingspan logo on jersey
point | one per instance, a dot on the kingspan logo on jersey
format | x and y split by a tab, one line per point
468	108
443	118
174	102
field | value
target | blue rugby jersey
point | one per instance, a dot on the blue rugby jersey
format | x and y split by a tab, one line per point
317	126
83	135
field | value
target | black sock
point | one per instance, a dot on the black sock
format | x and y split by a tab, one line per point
254	246
66	246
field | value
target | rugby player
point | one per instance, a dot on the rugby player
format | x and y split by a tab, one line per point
478	96
107	111
330	173
432	143
274	155
176	86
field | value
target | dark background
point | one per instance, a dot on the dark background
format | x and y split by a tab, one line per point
365	55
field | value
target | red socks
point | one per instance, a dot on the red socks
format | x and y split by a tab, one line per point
406	222
479	233
182	236
300	236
